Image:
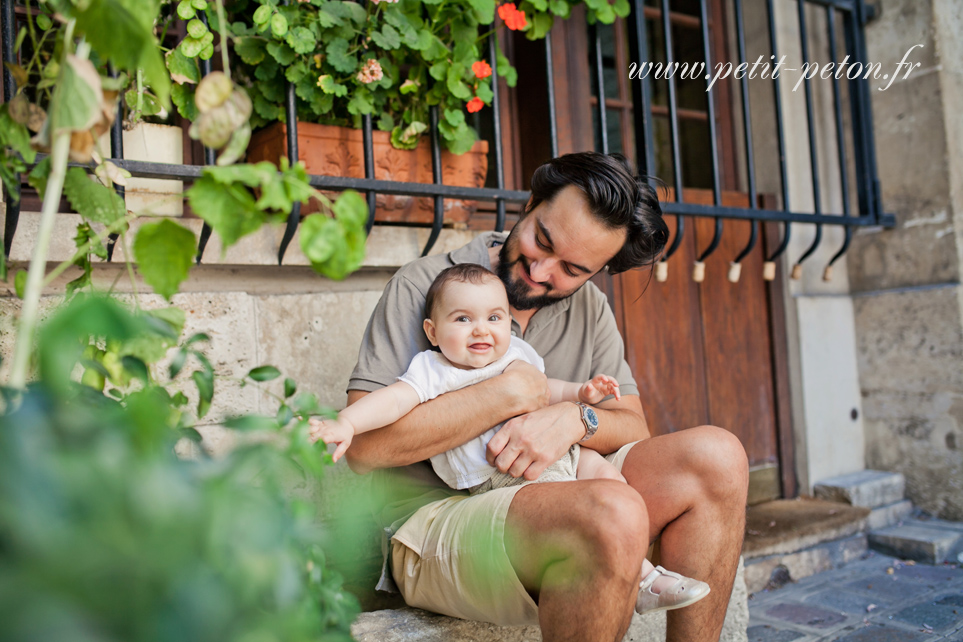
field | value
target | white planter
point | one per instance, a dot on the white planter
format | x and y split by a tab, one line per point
158	144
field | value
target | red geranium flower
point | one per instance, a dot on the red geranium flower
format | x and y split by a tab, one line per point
512	17
475	104
482	69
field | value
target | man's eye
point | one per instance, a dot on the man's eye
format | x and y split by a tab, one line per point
539	243
569	271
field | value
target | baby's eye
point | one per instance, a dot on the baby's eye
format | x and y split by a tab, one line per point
462	319
494	318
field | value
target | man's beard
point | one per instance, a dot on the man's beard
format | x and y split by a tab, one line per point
518	291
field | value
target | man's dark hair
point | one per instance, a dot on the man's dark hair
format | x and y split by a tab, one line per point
462	273
616	196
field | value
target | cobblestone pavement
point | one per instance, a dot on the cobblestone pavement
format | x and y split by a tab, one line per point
876	599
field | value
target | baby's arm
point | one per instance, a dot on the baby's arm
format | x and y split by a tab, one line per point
592	391
592	465
376	410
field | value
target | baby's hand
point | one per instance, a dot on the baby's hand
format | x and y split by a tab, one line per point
331	432
598	389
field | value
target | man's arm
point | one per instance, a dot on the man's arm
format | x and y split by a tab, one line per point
448	420
528	444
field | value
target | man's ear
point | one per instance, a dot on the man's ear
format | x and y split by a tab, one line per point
430	331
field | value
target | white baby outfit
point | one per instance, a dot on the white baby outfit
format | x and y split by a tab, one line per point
431	374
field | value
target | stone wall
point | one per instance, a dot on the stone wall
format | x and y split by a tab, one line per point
909	303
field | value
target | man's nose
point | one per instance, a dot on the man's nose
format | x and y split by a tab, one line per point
541	270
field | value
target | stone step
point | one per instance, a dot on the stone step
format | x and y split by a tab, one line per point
774	571
410	625
867	488
787	526
928	541
889	515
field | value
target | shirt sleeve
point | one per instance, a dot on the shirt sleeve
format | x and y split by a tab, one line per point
608	356
393	337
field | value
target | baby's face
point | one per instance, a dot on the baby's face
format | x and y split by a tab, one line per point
471	323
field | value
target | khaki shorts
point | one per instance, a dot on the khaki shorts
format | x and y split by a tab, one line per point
450	558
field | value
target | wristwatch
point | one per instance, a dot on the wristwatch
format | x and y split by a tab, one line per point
590	419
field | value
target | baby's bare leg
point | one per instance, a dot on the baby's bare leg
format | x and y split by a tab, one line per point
592	465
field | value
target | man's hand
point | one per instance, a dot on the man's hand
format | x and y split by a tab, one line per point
598	388
528	383
332	432
530	443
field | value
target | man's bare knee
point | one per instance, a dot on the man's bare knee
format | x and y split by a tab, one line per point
615	524
719	458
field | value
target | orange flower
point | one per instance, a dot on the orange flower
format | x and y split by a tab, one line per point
482	69
475	104
512	17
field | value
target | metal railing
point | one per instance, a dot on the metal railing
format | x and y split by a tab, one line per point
870	210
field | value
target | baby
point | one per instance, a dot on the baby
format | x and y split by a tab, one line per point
468	320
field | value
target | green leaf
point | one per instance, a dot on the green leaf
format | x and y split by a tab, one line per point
251	49
351	210
318	237
621	8
455	117
182	69
148	102
339	58
200	5
356	12
279	25
39	174
183	98
263	14
20	283
484	10
191	47
250	423
386	122
284	415
264	373
361	103
136	368
177	363
329	86
91	199
387	38
164	252
265	108
204	379
290	387
75	105
407	138
281	52
196	29
121	31
563	9
185	10
229	209
301	40
505	69
484	91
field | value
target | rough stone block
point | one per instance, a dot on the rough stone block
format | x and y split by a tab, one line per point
868	488
404	625
888	515
787	526
915	541
795	566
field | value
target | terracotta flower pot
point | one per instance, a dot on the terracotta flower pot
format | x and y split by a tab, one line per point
338	151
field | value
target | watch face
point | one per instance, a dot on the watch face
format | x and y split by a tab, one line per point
591	417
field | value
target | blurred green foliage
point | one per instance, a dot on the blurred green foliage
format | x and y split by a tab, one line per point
105	534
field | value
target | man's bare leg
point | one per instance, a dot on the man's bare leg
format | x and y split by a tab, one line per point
694	484
576	546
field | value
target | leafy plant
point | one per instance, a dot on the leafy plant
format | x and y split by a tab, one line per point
391	59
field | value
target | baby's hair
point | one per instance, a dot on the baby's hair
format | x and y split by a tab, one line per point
462	273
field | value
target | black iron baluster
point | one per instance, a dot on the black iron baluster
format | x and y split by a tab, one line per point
600	86
769	267
497	120
641	92
294	217
12	201
735	267
116	151
550	73
813	160
698	272
437	178
840	144
369	172
674	137
209	157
